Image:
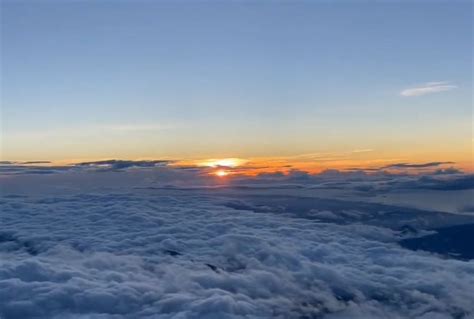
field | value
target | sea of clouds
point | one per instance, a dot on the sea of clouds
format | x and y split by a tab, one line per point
136	241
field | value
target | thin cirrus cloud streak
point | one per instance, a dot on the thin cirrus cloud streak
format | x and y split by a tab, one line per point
92	129
138	127
428	88
366	150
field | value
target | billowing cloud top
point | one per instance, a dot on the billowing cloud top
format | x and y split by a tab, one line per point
125	239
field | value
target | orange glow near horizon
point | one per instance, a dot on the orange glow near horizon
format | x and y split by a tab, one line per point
312	163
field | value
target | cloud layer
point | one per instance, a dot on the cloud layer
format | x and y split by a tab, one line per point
141	243
139	255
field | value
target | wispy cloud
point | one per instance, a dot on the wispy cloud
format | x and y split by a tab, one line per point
365	150
90	130
428	88
138	127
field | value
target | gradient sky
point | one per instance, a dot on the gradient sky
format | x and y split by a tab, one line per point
143	79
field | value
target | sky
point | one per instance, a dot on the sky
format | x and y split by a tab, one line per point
339	83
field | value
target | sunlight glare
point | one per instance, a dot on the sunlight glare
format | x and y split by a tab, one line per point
221	173
227	162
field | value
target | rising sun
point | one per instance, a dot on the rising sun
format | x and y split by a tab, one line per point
221	173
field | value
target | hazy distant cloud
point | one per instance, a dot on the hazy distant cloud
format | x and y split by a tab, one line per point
428	88
7	163
23	163
123	164
36	162
37	167
366	150
90	130
447	171
137	127
421	165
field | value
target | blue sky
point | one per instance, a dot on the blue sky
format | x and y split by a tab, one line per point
212	78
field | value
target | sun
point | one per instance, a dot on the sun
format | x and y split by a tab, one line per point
221	173
226	162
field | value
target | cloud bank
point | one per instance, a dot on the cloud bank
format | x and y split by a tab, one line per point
420	165
152	255
145	240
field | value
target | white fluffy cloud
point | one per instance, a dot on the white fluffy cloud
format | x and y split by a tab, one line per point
74	251
428	88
